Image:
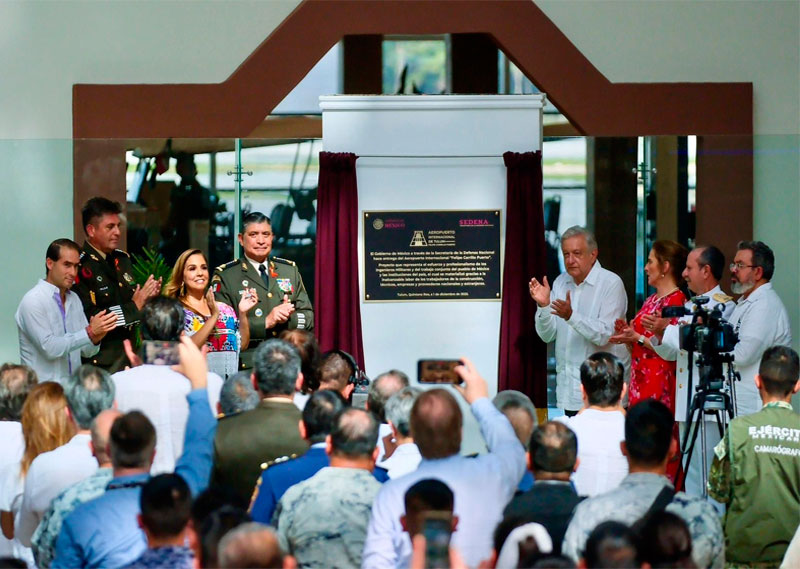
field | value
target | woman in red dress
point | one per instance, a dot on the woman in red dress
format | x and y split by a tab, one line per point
651	376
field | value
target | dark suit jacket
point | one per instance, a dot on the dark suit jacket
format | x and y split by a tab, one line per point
247	440
549	503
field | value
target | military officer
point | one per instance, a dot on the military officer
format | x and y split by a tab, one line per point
105	281
282	299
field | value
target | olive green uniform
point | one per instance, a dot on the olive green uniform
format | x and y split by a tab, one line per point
107	284
756	471
231	280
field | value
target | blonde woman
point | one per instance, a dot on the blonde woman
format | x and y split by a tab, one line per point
207	321
45	427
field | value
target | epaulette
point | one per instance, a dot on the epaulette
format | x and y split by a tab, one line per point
284	261
722	298
227	265
122	252
280	459
221	416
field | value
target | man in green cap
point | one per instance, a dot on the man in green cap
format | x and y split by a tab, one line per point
283	303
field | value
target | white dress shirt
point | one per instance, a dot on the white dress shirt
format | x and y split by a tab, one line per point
596	303
404	459
669	347
602	465
51	337
761	322
482	486
10	453
49	474
160	393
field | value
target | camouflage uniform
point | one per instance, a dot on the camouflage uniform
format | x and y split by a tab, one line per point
323	521
756	471
630	501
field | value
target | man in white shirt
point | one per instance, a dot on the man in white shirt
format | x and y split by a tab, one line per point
158	391
53	330
704	267
88	391
578	313
482	485
405	456
759	318
600	426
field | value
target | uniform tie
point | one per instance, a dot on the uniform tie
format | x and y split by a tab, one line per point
263	270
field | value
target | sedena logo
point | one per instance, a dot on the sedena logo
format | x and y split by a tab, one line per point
473	222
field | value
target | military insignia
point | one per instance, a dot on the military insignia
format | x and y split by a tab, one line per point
241	292
216	286
285	285
116	264
128	278
245	283
92	256
722	298
272	272
285	261
244	266
227	265
86	272
259	313
93	297
99	279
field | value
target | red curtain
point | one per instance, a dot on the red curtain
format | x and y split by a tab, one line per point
337	308
523	356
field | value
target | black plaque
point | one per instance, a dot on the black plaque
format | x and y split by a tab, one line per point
431	255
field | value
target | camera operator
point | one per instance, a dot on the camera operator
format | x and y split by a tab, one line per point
759	318
703	271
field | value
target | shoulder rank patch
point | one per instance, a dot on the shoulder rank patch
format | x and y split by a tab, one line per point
221	416
280	459
121	252
227	265
722	298
284	261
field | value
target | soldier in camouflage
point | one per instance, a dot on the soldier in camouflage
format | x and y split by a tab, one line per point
323	521
755	470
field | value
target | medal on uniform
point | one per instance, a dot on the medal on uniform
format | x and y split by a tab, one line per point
272	272
245	283
285	285
99	279
86	272
259	313
128	278
92	296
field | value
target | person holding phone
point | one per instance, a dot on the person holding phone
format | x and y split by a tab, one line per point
207	320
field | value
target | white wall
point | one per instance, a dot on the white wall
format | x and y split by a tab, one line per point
49	45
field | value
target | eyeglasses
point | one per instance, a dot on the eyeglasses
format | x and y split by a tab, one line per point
739	266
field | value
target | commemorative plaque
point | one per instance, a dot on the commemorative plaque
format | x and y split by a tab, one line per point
431	255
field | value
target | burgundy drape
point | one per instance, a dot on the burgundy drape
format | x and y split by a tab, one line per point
337	308
523	356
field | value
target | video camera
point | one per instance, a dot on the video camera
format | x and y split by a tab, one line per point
708	335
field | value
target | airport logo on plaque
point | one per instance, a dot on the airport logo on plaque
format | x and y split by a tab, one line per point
377	224
418	240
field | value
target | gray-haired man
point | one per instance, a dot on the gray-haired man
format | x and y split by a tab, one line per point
578	313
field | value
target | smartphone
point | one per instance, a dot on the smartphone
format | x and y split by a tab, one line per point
437	527
438	371
161	353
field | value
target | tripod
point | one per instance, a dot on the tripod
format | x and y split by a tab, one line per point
710	399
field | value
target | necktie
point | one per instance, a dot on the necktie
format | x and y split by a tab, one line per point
263	270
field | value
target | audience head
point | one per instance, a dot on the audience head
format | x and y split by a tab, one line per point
580	252
759	255
553	450
237	394
336	371
166	505
711	257
354	435
45	422
101	223
176	286
133	442
310	356
398	410
101	433
319	413
212	528
436	424
648	434
519	543
382	388
671	258
16	381
8	562
89	390
779	372
602	379
162	319
427	495
611	545
276	368
61	263
520	412
250	545
664	541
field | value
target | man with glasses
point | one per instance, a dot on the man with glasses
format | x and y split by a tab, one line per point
282	299
759	318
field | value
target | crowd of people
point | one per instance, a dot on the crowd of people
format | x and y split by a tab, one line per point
203	427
